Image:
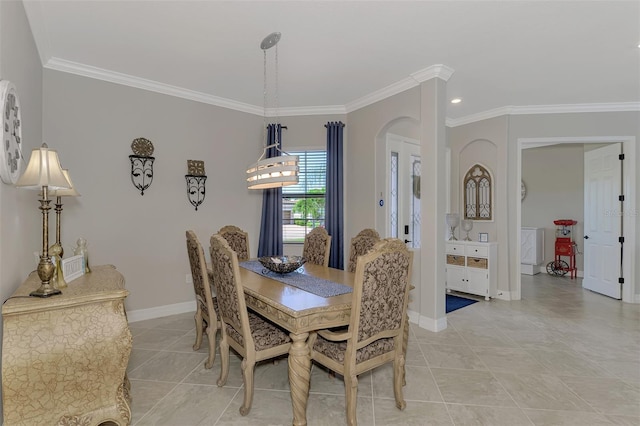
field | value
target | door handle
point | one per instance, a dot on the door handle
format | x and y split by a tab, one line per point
407	241
586	237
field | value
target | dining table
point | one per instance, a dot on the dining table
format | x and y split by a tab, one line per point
299	312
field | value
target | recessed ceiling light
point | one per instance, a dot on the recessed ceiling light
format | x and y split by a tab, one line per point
456	101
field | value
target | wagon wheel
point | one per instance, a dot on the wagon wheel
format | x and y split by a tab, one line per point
557	268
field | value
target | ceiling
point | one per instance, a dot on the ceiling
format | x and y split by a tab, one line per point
335	57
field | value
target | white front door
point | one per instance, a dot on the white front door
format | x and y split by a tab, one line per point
603	220
403	209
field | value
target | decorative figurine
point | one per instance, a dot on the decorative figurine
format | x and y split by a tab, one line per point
82	250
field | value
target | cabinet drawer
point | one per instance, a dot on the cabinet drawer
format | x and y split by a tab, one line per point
455	260
455	248
477	262
480	251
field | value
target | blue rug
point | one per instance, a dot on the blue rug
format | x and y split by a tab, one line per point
455	302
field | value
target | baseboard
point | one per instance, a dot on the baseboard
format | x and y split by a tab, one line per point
503	295
414	317
161	311
530	269
431	324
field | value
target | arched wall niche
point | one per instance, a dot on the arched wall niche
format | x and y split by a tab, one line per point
485	153
408	127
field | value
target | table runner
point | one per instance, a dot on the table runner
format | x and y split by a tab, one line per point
317	286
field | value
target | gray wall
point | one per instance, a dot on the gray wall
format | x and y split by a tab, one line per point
594	125
554	177
484	142
92	124
20	219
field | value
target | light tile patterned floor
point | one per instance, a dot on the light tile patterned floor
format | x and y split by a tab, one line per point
559	356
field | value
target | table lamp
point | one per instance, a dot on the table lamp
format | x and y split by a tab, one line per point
56	248
44	173
452	220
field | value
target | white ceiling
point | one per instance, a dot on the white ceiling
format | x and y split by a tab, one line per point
335	57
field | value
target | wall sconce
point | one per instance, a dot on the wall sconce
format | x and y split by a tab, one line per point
56	249
141	164
195	182
44	173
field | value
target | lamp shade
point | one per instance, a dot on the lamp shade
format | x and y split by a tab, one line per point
273	172
71	192
43	170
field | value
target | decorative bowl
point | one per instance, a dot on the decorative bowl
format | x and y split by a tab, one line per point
282	264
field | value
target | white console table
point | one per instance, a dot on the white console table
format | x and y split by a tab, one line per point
472	267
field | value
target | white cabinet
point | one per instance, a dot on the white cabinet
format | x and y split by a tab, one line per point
472	267
531	250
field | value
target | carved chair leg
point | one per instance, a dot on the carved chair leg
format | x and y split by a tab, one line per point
398	379
247	376
224	361
198	319
212	331
351	393
405	343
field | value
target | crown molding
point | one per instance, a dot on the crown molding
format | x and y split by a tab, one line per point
545	109
62	65
312	110
439	70
378	95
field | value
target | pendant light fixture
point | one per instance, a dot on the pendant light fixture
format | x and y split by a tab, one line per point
281	170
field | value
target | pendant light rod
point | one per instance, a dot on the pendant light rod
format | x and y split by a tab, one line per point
282	169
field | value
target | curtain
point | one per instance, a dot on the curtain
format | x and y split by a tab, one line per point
270	243
334	195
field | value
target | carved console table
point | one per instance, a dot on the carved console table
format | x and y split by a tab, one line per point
64	358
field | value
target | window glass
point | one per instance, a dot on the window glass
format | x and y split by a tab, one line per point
303	204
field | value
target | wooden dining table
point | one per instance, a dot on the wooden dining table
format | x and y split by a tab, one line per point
298	312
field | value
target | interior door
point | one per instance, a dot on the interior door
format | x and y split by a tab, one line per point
603	220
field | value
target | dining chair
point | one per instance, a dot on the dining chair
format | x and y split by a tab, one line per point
251	336
317	244
237	239
376	329
361	244
206	305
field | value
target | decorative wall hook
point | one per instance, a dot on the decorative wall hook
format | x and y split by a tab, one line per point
195	182
141	164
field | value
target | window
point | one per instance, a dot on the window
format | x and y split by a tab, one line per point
303	204
477	194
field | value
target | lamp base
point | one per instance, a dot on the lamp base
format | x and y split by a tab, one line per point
45	270
43	291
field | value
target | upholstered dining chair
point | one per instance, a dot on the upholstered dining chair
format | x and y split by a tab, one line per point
317	245
376	329
361	244
252	337
237	239
206	305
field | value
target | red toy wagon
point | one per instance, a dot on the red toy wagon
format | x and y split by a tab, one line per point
564	247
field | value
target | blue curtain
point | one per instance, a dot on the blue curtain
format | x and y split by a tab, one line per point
334	195
270	243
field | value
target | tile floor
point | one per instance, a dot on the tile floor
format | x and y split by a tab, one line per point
559	356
